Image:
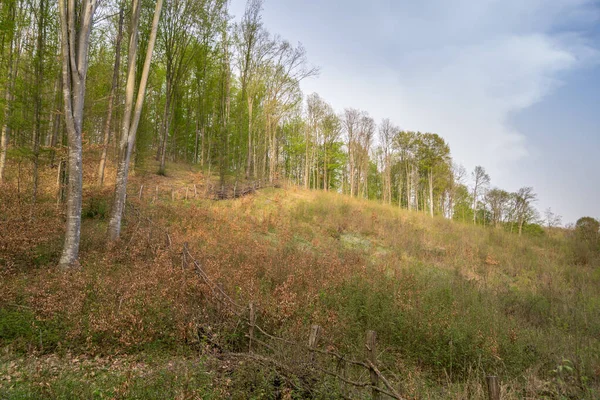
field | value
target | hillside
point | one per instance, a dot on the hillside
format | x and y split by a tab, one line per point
451	303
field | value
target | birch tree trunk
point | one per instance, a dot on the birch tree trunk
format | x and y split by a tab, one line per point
431	192
111	97
249	159
75	40
131	116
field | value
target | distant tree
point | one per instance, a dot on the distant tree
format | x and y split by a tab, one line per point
351	123
480	181
497	200
587	229
387	132
523	209
462	210
551	219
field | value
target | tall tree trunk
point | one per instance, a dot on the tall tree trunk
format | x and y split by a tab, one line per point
408	189
75	47
431	192
307	161
249	172
166	124
111	96
131	115
8	97
39	70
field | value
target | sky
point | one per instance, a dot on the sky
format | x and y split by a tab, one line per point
512	85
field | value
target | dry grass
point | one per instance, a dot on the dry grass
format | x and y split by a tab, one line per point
450	302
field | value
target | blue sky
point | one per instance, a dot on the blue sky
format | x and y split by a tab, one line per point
512	85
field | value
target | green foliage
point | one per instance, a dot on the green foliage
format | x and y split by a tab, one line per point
96	207
585	242
23	331
535	230
446	329
85	378
587	229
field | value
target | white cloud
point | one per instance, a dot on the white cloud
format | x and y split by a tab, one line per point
459	68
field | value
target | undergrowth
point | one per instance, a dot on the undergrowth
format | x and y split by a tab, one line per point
451	303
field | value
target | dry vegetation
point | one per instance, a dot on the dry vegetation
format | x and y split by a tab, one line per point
451	303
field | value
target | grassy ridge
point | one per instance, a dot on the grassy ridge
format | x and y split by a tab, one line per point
450	302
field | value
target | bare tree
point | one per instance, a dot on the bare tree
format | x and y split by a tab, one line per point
287	69
76	26
387	132
131	116
480	181
523	208
351	123
366	133
552	220
497	200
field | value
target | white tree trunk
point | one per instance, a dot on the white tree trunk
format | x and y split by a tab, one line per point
74	46
128	131
431	192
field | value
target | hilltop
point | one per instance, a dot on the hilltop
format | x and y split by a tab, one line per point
451	302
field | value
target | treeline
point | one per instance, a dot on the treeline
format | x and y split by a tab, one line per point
219	93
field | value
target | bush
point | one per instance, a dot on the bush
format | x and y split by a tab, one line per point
96	207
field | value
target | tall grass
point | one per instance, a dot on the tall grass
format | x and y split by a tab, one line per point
450	302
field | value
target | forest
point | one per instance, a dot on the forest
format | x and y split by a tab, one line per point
221	94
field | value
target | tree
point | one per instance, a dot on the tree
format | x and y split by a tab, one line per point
179	24
497	200
523	209
111	98
131	117
76	26
405	144
481	181
331	131
387	132
552	220
351	124
254	50
8	12
364	140
39	78
587	229
287	69
434	159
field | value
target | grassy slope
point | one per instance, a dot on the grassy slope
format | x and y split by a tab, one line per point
450	302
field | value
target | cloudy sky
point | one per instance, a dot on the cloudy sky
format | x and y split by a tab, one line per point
512	85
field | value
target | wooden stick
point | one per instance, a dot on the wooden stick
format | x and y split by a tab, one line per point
384	380
251	330
493	387
371	346
313	339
